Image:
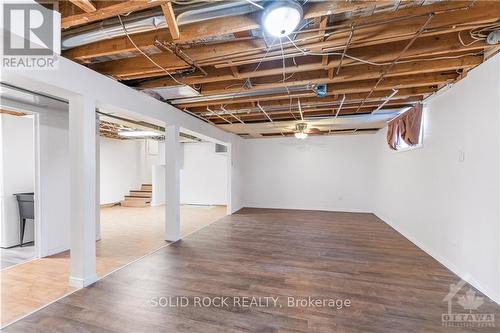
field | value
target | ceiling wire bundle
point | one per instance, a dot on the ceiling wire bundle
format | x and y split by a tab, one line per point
478	34
145	55
387	69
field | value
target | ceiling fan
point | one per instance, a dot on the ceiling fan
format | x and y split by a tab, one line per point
302	130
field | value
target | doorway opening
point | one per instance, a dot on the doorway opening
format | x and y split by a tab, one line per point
17	187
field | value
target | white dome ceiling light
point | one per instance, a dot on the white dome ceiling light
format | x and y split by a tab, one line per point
281	18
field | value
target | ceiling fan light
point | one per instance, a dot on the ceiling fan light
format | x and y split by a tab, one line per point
301	135
281	18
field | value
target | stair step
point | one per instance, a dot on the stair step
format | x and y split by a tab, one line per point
136	198
134	203
142	194
146	187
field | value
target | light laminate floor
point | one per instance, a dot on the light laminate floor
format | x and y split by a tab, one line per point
127	233
391	284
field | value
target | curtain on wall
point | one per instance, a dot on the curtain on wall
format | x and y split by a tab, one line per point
405	127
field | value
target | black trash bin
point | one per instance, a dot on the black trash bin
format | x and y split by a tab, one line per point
26	205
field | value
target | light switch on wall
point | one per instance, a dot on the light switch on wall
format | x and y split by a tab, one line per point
461	156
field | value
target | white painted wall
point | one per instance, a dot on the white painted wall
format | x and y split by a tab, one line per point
120	168
53	178
151	153
449	207
203	175
17	174
322	173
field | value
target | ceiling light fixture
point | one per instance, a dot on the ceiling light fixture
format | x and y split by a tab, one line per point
138	134
282	17
301	131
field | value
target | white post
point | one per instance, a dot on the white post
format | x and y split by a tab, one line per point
83	184
172	183
98	180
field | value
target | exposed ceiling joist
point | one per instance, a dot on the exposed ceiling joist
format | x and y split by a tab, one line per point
168	12
109	11
361	50
351	73
85	5
284	100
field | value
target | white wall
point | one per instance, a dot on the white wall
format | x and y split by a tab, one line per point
148	159
120	168
449	207
53	159
203	175
18	174
323	173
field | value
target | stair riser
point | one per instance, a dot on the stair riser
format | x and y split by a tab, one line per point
134	204
141	194
127	198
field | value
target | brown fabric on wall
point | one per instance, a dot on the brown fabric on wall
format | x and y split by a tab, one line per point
412	122
407	127
392	134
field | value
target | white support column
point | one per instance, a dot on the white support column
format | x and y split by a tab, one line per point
83	184
172	183
98	180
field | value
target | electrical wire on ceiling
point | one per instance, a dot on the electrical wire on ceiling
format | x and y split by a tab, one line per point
256	67
478	34
254	3
189	2
340	107
147	56
305	52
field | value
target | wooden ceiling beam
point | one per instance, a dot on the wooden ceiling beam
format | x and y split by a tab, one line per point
422	47
190	32
354	72
331	99
109	11
220	26
284	99
285	116
327	109
408	81
85	5
168	12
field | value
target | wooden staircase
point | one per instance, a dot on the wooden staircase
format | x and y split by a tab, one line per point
139	198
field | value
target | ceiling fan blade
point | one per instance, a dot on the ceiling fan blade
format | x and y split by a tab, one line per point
313	130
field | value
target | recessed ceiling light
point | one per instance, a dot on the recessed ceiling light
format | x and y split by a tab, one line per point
282	17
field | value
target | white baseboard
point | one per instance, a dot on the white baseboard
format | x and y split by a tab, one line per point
325	209
81	283
51	252
444	261
172	238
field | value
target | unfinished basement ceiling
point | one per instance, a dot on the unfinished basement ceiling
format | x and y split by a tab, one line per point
381	56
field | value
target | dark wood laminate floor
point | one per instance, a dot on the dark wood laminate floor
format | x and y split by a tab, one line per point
392	285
